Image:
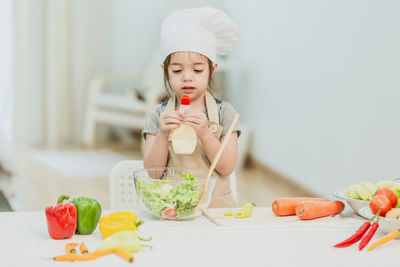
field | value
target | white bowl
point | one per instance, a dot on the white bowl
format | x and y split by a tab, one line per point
355	204
386	225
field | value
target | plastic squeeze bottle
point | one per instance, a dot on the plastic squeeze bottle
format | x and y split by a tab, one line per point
184	138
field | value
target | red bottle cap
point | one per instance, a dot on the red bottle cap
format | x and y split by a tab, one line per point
185	100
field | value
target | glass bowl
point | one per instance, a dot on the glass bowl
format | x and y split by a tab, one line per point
173	193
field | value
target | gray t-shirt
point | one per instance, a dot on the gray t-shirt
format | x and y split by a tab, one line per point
226	115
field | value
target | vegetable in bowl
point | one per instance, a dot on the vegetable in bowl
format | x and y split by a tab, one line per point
176	196
366	190
359	195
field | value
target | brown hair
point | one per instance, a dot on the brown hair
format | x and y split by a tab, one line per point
167	85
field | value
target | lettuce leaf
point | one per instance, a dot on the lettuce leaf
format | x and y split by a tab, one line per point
161	195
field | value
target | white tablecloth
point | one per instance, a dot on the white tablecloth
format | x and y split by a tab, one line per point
271	241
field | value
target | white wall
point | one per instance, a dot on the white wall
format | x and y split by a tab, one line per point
319	83
135	30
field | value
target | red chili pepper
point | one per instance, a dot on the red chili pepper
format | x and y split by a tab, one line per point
357	235
369	235
61	219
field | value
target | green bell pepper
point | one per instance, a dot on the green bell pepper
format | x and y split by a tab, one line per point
89	211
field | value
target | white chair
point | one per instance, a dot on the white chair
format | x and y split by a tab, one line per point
122	188
110	106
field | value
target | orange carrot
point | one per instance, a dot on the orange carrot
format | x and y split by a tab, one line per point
287	205
70	247
82	257
83	248
309	210
124	254
100	253
75	257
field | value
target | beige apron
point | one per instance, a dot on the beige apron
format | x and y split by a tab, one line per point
222	196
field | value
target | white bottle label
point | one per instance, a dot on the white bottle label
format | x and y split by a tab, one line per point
184	138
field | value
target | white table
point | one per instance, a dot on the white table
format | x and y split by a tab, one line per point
276	241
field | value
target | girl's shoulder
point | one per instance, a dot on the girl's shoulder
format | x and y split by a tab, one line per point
155	112
225	111
226	114
159	108
163	106
225	107
222	105
219	101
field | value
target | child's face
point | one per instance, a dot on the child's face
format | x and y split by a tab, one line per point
188	74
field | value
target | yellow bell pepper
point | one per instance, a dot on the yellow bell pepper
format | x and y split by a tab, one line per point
245	211
118	221
128	240
228	213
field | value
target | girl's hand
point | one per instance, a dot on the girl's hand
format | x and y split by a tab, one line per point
169	121
197	120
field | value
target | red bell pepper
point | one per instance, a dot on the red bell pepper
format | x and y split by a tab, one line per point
61	219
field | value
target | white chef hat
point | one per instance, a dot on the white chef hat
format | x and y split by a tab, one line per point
205	30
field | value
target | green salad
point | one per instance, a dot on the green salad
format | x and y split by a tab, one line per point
169	201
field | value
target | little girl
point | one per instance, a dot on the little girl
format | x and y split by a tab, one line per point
190	41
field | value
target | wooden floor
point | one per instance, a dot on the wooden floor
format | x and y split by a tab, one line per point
35	188
262	185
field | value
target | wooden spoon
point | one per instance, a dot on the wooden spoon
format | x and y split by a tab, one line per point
223	144
214	163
